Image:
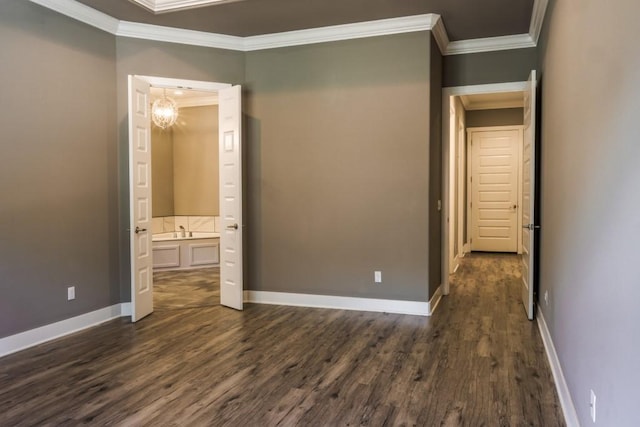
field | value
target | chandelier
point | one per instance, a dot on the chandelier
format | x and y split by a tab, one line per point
164	111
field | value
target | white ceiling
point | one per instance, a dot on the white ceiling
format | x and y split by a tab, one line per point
493	101
186	97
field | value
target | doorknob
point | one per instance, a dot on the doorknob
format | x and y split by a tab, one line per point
232	227
531	226
139	230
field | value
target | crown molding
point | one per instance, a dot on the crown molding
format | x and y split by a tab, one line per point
440	34
537	18
82	13
332	33
490	44
427	22
178	35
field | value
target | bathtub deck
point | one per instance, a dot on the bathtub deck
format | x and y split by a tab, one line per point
186	288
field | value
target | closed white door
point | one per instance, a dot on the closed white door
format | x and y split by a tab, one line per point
528	196
494	190
140	199
231	263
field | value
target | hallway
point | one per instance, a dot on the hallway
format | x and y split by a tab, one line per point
476	361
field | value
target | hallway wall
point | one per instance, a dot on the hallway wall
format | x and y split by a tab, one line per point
590	201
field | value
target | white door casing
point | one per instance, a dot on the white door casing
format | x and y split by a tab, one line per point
140	199
494	189
449	95
460	182
452	211
528	195
230	147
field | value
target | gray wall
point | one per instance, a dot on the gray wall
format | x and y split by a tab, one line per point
338	153
58	180
337	140
489	67
590	202
435	171
499	117
151	58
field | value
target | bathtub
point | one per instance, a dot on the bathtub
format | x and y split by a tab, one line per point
196	250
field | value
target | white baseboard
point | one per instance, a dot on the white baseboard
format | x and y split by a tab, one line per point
125	309
30	338
33	337
435	299
570	415
466	248
418	308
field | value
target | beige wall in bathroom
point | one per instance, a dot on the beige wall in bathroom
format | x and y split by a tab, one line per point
162	171
195	162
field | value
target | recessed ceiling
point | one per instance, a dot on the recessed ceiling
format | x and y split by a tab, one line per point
463	19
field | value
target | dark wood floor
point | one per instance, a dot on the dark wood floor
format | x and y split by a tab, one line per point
476	362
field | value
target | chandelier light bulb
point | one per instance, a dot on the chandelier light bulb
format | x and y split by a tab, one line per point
164	111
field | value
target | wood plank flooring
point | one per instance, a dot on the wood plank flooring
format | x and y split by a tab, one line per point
186	288
476	362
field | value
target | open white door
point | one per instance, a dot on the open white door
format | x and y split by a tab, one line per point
140	199
231	268
528	195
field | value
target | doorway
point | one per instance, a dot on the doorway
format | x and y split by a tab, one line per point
457	198
185	201
141	190
494	167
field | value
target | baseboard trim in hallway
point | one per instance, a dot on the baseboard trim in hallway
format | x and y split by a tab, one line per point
418	308
569	411
33	337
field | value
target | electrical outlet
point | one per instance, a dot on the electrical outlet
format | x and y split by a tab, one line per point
71	293
592	406
546	297
377	276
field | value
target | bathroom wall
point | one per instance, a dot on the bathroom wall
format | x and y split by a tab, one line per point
185	164
195	162
162	171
